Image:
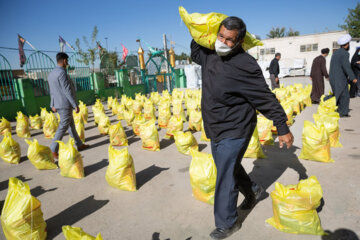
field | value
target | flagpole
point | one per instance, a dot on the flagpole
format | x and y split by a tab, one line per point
70	46
31	45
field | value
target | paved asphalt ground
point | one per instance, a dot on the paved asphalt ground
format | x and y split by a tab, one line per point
163	206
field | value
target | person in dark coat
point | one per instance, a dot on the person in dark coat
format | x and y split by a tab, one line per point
355	65
341	74
318	72
274	70
233	88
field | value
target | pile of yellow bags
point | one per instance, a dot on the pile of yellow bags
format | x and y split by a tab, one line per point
202	176
121	170
254	149
22	125
21	216
50	125
294	207
149	136
117	135
35	122
264	127
175	124
315	143
40	156
185	141
4	126
70	160
331	124
139	119
204	28
10	150
76	233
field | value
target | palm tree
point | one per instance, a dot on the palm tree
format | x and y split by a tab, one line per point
292	33
276	32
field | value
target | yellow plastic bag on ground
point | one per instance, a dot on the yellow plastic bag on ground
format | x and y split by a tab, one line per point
70	160
120	112
21	216
121	170
84	111
129	116
204	28
264	127
117	135
80	128
202	172
104	124
110	102
195	120
294	207
164	113
175	124
149	136
331	124
289	111
315	143
76	233
40	156
254	149
35	122
5	126
149	110
185	141
50	125
203	134
327	106
22	125
155	97
43	113
10	150
139	119
178	109
137	107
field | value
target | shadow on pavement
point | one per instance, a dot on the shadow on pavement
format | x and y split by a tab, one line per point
164	143
106	141
4	184
340	234
95	167
39	190
93	137
156	236
266	171
23	159
73	214
202	146
37	133
147	174
90	127
133	139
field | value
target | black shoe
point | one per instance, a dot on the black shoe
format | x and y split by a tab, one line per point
250	201
345	116
222	233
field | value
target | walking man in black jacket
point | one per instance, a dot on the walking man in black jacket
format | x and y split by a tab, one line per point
233	88
274	70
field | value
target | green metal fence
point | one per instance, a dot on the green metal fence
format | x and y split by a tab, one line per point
7	82
37	67
79	73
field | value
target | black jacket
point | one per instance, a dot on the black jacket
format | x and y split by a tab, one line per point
232	89
274	67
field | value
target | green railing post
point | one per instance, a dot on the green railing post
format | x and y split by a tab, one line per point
27	97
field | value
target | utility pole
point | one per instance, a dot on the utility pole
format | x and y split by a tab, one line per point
166	63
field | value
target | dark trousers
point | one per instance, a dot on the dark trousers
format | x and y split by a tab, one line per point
273	82
231	178
343	102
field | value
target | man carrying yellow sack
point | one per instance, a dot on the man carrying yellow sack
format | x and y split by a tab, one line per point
63	101
233	88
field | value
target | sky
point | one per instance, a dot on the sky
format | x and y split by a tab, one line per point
123	21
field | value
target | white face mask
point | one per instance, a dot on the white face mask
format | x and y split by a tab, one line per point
221	48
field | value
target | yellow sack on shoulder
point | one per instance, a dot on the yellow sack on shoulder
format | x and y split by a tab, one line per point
104	124
70	160
175	124
10	150
117	135
331	124
185	141
264	127
40	156
149	136
204	28
121	170
50	125
202	172
195	120
5	126
254	149
21	216
76	233
294	207
22	125
315	143
35	122
139	119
